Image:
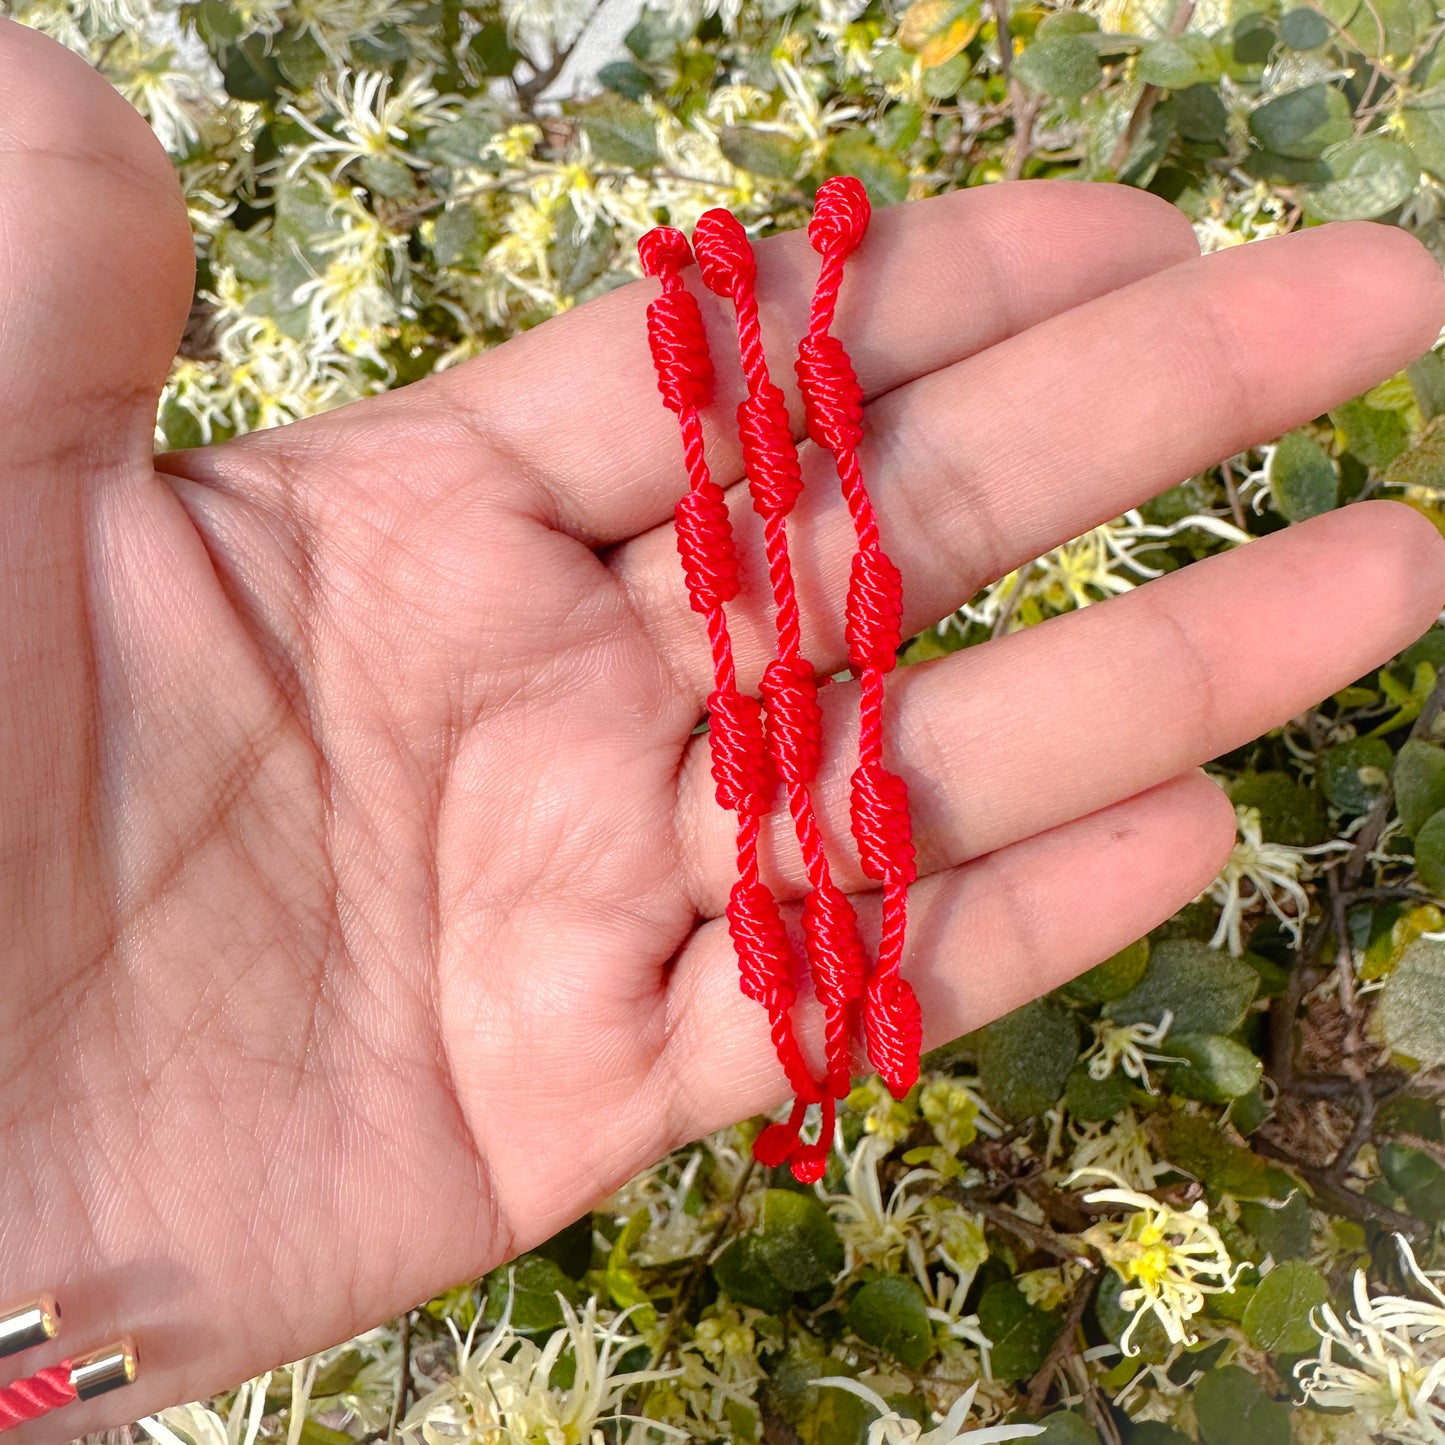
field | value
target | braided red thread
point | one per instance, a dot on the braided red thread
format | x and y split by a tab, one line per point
833	401
30	1399
795	727
740	763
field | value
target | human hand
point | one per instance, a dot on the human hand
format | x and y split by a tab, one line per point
363	879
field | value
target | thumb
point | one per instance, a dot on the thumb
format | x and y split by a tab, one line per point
96	264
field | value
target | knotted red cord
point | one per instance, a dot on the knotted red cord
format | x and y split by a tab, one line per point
833	400
794	721
44	1391
740	763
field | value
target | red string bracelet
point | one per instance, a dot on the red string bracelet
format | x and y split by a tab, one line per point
789	686
739	758
24	1326
833	400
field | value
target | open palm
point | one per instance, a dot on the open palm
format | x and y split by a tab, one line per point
361	875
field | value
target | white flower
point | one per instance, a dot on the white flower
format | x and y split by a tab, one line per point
369	119
503	1395
1131	1047
1272	871
891	1428
874	1233
1386	1360
1103	562
1170	1259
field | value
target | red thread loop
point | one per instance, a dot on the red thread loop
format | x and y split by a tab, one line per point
724	254
705	543
829	919
778	1141
810	1161
795	721
679	350
739	757
832	397
664	251
882	826
840	216
769	454
43	1392
761	941
893	1030
874	611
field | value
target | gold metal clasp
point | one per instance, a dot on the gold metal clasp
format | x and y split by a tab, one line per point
104	1370
24	1326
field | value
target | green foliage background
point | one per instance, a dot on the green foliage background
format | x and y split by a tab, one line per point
382	190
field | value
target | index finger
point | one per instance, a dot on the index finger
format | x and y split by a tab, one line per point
575	400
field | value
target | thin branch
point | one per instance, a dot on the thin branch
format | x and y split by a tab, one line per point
1359	1207
1064	1344
403	1380
1149	96
689	1285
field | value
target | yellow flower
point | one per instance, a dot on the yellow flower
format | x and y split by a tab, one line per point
1170	1259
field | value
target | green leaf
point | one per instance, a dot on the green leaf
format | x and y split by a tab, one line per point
1302	123
1024	1058
624	1283
621	132
1021	1334
1423	121
1067	22
1302	478
1372	174
386	176
460	237
1205	1151
1064	66
1202	116
1379	28
1419	783
1290	812
535	1284
1282	1231
1277	1317
1427	381
1416	1177
1174	62
1216	1069
1155	1432
743	1274
799	1243
627	79
900	125
1304	29
250	72
571	1247
1091	1100
884	177
1207	991
458	143
1430	853
1354	775
579	254
1064	1428
1376	436
762	152
893	1315
1411	1011
1111	979
1233	1409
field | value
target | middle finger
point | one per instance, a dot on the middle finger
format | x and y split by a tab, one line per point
987	463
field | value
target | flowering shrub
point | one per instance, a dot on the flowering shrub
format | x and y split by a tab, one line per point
1196	1194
